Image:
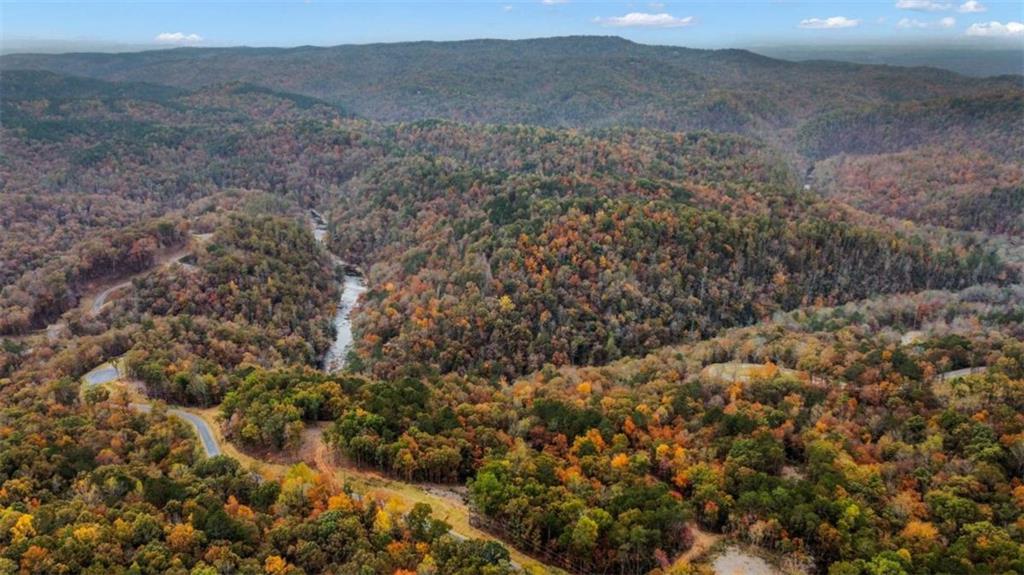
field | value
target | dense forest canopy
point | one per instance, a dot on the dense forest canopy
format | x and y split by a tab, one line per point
573	244
622	301
570	81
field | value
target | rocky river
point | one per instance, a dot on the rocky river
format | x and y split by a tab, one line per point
352	288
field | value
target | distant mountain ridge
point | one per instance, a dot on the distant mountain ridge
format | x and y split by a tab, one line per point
565	82
977	61
810	112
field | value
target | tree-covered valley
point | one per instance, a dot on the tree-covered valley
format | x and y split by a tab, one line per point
613	323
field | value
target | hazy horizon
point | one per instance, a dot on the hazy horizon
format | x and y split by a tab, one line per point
967	56
107	26
62	46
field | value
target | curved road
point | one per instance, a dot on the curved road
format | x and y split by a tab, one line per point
210	445
101	298
109	372
171	258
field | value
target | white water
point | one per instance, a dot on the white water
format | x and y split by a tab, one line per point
351	289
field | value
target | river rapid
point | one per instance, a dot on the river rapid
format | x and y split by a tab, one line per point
352	288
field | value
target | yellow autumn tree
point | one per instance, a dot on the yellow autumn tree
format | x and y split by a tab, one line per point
382	521
182	537
427	567
275	565
22	529
505	304
87	533
920	535
339	502
620	461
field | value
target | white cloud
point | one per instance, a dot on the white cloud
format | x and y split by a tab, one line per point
507	8
908	23
997	29
923	5
971	7
177	38
550	2
829	23
644	20
656	5
911	23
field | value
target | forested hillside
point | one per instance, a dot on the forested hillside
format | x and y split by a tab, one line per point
572	81
81	156
105	489
990	122
809	111
711	297
958	189
239	304
89	482
838	444
572	247
861	458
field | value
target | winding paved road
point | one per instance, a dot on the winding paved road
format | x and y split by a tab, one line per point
109	372
171	258
210	445
101	298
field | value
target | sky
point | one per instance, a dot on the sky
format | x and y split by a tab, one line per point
89	25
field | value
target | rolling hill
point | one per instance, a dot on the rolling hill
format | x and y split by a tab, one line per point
569	81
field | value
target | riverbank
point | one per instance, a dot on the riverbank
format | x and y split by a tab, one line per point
352	287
